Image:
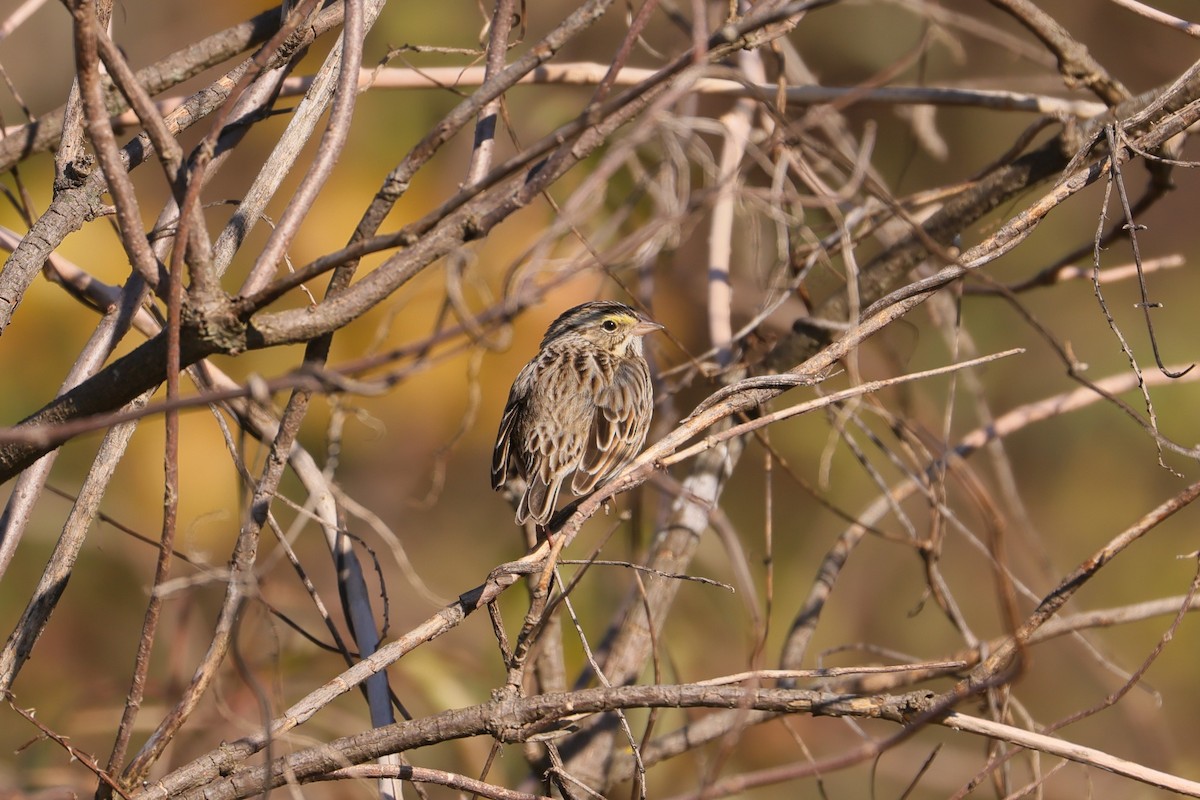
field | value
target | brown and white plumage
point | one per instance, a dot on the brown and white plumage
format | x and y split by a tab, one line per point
580	409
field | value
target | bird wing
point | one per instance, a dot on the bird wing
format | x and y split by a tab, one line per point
535	441
503	467
618	427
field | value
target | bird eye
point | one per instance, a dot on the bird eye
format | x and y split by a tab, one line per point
609	325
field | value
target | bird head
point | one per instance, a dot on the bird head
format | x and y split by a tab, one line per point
614	327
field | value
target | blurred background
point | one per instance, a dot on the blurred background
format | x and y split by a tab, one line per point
417	457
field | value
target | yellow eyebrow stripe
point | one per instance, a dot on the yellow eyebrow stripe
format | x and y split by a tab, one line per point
629	319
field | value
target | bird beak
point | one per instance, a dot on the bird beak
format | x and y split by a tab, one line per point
646	326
